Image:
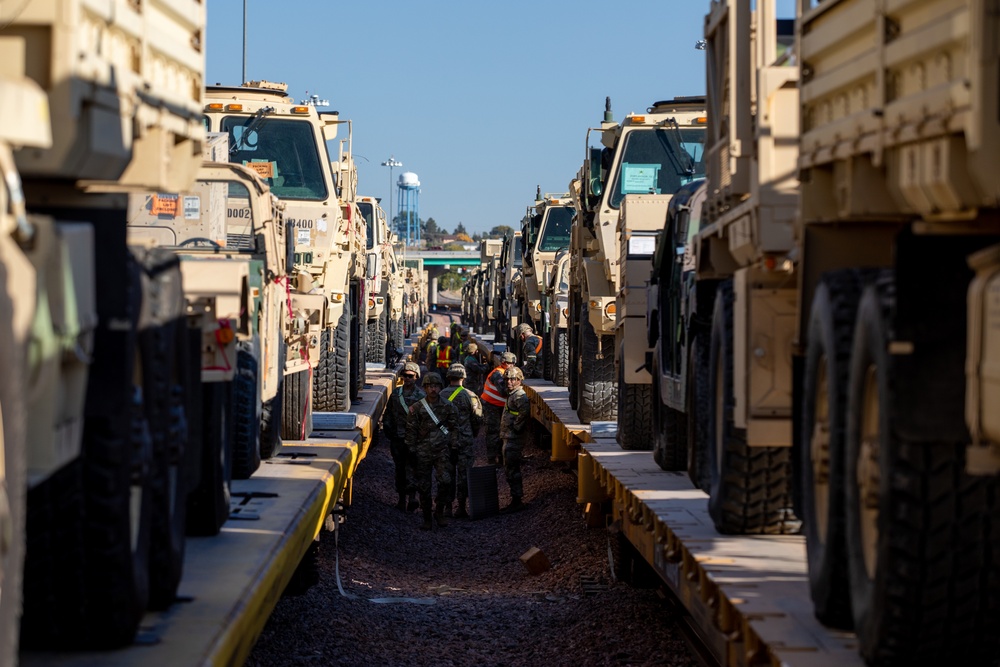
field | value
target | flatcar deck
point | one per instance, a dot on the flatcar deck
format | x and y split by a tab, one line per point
232	581
747	596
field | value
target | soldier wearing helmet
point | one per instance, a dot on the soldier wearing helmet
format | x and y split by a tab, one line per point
431	432
443	360
494	397
470	419
514	433
394	426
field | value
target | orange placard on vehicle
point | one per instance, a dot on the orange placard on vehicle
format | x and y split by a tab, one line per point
263	169
164	205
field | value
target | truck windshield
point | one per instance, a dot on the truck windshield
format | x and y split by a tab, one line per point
555	232
658	161
284	153
213	215
368	212
518	258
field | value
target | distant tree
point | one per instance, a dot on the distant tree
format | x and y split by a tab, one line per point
460	229
477	237
451	281
430	228
463	237
500	231
455	247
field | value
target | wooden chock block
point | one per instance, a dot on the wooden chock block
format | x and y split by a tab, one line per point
535	560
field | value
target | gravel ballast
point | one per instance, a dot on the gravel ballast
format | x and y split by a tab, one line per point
474	602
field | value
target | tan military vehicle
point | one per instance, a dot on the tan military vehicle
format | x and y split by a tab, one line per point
415	293
285	143
380	265
231	235
621	194
545	230
106	380
508	286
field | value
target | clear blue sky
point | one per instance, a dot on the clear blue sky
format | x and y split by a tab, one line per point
482	100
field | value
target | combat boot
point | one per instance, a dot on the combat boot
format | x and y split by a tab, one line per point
401	504
439	517
515	505
413	505
461	513
447	510
426	525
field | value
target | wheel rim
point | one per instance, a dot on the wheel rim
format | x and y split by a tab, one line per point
819	452
868	473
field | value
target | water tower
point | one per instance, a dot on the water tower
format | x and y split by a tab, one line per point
408	212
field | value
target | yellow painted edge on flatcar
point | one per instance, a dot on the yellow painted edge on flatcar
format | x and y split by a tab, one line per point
234	645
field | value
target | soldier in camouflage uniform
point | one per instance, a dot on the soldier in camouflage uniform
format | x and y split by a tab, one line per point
494	397
531	351
514	432
394	426
470	418
475	370
432	432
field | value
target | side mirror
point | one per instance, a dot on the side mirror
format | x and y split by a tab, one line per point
371	267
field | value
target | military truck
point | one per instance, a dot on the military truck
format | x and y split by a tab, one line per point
380	264
230	233
107	378
545	230
508	285
677	342
415	294
285	143
644	159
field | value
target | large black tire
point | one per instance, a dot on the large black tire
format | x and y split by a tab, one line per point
574	352
331	381
378	335
398	334
359	337
634	408
246	415
86	580
270	424
820	461
296	413
697	402
596	372
547	361
208	502
560	359
751	491
167	377
669	429
922	535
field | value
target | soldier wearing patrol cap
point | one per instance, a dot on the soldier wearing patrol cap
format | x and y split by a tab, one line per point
470	419
494	398
432	432
394	427
531	351
514	432
475	369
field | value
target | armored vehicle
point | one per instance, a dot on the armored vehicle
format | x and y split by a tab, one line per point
108	375
380	267
620	195
545	230
285	143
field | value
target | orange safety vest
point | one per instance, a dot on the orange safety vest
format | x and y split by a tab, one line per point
444	357
491	394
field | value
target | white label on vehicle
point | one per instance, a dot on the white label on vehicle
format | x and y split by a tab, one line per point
642	245
639	178
321	225
192	207
302	237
